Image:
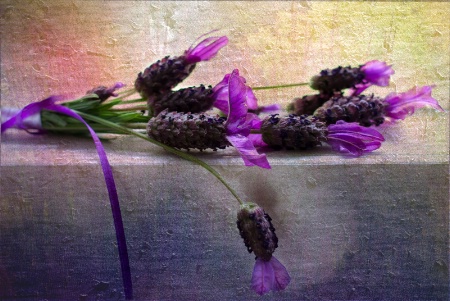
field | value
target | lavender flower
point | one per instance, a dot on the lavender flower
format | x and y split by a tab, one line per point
160	77
202	131
360	78
305	132
375	73
372	110
104	92
255	227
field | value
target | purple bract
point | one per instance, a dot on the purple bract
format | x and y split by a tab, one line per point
239	122
353	139
403	104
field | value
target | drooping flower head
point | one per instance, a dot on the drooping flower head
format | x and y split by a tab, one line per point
104	92
255	227
202	131
305	132
163	75
403	104
360	78
370	110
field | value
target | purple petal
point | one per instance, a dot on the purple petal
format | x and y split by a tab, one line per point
353	139
252	102
403	104
263	277
206	49
377	73
237	108
359	88
248	151
282	277
221	95
257	140
270	108
269	276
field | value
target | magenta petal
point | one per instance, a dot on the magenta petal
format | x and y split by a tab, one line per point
377	73
237	108
252	102
206	49
248	151
353	139
270	108
263	277
257	140
282	277
403	104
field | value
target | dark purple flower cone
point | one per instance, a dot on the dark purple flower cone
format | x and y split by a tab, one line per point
337	79
192	100
363	109
160	77
293	132
188	131
308	104
255	227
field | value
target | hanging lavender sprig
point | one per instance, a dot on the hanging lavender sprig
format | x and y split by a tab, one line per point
256	228
373	110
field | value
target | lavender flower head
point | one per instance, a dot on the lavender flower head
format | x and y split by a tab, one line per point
370	110
403	104
306	132
202	131
160	77
255	227
330	81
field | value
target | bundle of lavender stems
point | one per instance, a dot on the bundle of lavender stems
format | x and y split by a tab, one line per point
227	114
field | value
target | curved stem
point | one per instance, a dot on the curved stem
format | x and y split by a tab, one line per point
166	147
280	86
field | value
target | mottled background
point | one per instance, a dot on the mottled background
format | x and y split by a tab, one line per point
372	228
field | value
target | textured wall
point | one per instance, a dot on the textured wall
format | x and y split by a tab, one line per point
372	228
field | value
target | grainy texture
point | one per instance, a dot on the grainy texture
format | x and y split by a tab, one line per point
371	228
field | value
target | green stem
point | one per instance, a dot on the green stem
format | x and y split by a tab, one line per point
166	147
130	108
126	93
124	102
280	86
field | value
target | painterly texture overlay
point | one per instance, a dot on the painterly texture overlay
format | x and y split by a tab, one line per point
348	229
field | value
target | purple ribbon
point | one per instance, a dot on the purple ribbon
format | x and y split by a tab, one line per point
49	104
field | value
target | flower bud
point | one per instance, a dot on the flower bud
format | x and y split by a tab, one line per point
256	229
